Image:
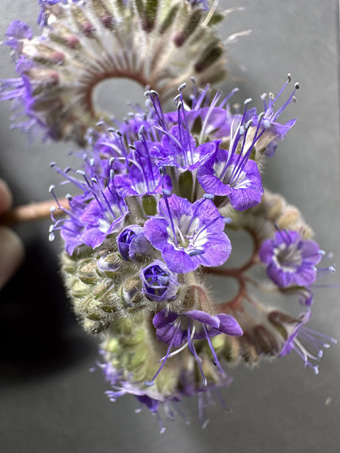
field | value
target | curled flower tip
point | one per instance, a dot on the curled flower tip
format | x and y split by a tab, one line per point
84	43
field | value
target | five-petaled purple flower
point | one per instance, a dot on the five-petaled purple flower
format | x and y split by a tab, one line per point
291	260
188	235
177	328
232	176
181	329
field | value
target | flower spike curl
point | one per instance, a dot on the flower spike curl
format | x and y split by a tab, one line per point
86	42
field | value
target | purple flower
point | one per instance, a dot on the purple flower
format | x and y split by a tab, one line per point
104	215
290	259
233	173
296	333
17	31
132	242
159	283
272	127
177	328
93	216
188	235
232	176
178	149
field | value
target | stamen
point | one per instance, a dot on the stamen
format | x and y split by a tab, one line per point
226	99
216	361
192	348
208	225
166	195
146	148
211	108
195	252
180	349
150	383
194	214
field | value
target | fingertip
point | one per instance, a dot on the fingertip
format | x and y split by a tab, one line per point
12	254
5	196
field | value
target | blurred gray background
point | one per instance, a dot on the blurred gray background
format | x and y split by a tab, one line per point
50	402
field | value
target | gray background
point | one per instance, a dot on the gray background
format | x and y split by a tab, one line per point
49	401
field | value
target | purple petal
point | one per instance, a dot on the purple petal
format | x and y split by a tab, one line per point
155	231
229	325
178	260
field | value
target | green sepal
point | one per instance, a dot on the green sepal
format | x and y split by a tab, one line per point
169	19
216	19
197	126
149	205
151	7
186	185
210	54
189	28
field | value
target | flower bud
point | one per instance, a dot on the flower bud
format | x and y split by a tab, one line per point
132	244
159	283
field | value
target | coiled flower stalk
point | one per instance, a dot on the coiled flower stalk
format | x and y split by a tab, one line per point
156	43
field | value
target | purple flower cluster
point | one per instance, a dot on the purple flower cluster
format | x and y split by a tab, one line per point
163	188
158	194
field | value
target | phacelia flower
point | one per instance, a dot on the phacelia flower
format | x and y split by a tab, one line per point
177	328
93	216
232	176
188	235
297	333
86	42
277	130
290	259
128	355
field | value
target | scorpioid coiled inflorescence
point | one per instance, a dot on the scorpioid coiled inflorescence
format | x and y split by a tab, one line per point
160	196
156	43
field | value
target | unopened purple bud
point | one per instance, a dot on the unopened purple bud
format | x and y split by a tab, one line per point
132	243
159	283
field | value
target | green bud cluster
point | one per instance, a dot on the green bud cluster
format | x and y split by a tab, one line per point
101	285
